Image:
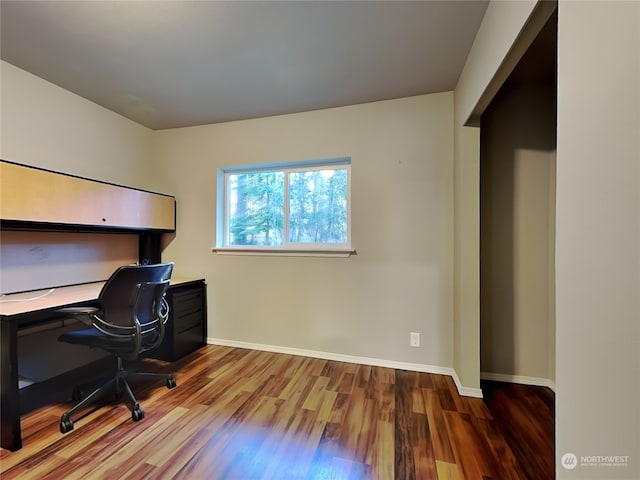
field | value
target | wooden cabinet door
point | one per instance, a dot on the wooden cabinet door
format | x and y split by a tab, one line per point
34	195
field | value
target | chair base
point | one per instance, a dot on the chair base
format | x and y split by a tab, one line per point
117	385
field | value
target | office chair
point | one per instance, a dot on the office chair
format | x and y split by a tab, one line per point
128	319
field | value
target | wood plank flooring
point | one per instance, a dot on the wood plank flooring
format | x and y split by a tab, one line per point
525	416
243	414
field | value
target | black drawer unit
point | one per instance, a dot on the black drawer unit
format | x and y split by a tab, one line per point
186	329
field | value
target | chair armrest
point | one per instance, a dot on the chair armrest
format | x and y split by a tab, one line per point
85	314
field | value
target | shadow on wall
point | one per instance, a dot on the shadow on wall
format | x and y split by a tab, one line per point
517	218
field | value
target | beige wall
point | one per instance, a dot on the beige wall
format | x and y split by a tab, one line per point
402	209
518	136
496	49
467	254
598	236
487	66
46	126
36	260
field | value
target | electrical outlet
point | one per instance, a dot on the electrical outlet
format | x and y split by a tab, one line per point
414	339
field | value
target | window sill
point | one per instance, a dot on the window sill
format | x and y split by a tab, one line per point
284	252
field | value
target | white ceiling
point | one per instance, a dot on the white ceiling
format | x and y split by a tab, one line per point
167	64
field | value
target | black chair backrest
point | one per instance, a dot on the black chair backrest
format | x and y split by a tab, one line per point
120	294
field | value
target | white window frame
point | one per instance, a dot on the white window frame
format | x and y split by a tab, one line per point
287	249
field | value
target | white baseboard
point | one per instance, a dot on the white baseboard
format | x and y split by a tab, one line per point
521	379
375	362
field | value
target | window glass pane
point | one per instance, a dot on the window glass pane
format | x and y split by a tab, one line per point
318	206
255	208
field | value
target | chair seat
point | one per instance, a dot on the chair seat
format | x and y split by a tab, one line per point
90	337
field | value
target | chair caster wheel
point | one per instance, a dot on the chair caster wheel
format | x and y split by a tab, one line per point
137	414
171	383
76	395
66	426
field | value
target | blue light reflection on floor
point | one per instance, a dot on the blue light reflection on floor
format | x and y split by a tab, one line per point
258	453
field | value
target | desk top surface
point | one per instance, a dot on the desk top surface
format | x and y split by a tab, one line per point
58	297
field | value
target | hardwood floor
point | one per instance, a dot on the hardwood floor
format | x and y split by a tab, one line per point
525	416
243	414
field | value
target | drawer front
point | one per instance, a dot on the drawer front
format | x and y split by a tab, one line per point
183	323
186	329
188	297
188	341
183	309
188	309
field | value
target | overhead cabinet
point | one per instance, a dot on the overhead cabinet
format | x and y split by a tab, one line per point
40	196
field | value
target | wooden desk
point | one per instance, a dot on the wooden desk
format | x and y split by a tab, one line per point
59	297
37	300
30	308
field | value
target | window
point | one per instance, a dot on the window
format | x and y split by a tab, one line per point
293	207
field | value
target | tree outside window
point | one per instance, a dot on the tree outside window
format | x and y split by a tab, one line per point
301	206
